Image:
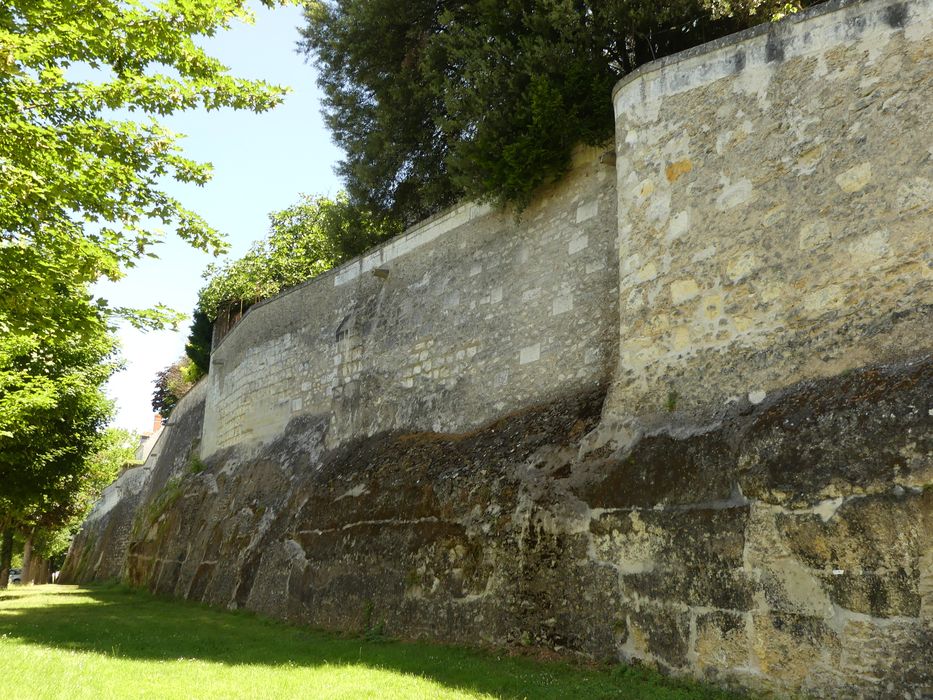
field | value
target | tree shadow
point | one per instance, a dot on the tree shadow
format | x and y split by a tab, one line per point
122	623
18	592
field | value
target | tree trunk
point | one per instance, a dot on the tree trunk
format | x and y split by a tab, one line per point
26	576
40	570
35	566
6	552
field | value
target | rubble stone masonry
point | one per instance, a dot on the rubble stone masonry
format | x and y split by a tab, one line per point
774	206
469	315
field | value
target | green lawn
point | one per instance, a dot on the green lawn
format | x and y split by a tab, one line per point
110	642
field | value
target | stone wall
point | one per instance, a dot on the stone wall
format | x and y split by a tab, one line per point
99	551
424	441
775	192
774	207
787	547
469	315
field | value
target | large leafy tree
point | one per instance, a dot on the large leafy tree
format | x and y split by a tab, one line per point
55	353
305	239
53	363
67	68
82	163
433	100
49	528
171	384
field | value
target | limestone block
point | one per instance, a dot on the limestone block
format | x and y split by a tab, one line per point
646	273
678	169
789	647
869	249
721	641
735	193
683	290
529	354
867	556
915	193
561	304
577	244
678	226
587	210
741	266
814	233
854	179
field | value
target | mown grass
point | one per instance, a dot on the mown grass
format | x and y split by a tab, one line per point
111	642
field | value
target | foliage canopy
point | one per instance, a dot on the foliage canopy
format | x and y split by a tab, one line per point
305	239
82	159
75	165
171	384
198	347
433	100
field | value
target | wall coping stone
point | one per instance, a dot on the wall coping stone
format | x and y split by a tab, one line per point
777	30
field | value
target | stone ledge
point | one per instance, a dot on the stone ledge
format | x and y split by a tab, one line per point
775	33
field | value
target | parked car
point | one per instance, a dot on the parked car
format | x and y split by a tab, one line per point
16	576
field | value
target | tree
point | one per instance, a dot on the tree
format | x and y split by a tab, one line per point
379	106
305	239
52	410
81	160
433	100
198	347
66	161
171	384
49	530
54	359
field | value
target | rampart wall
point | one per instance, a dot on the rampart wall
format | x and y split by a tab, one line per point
100	551
681	412
467	316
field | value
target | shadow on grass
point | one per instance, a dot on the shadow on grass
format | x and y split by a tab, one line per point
17	593
123	623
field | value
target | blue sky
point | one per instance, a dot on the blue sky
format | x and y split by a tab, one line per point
261	163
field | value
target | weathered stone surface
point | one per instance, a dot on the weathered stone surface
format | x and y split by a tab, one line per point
797	245
664	469
721	642
881	656
99	551
659	633
473	321
505	535
800	650
868	554
692	556
792	452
